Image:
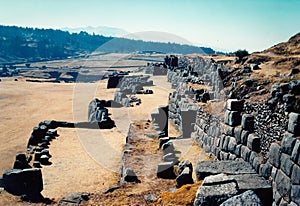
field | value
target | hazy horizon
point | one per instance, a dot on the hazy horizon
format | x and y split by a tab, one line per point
223	25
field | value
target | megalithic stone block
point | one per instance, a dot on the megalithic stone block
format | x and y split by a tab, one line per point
232	118
248	122
294	123
235	105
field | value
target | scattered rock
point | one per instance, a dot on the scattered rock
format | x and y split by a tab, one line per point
76	198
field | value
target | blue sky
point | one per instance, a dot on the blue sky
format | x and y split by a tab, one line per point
225	24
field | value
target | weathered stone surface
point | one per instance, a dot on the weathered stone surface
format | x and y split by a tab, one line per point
248	122
228	130
215	194
288	143
245	153
235	105
295	178
130	176
296	153
253	143
246	198
283	185
251	157
207	168
257	162
165	170
168	147
244	137
283	202
273	172
265	170
231	144
295	194
182	165
237	134
294	123
232	118
185	177
286	164
237	150
27	181
274	155
225	143
244	181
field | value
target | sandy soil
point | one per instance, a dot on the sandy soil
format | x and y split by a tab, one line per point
82	159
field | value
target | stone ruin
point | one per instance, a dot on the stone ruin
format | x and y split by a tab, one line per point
256	162
157	69
129	86
97	113
25	178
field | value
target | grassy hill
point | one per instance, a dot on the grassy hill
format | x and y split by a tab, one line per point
19	44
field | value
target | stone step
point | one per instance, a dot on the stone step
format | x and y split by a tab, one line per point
245	182
230	167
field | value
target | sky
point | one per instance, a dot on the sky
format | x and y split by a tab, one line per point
225	25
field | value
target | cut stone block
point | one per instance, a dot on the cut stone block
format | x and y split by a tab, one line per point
246	198
215	194
283	185
274	154
248	122
253	143
232	118
235	105
230	167
288	143
294	123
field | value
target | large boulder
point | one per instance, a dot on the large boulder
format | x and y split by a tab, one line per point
23	182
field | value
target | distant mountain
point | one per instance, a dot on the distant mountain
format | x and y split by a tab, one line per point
99	30
18	44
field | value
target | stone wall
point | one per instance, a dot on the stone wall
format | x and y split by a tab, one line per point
265	137
131	85
235	138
